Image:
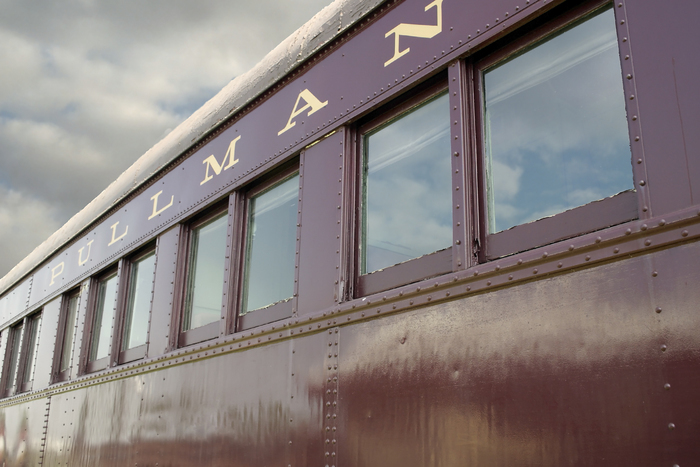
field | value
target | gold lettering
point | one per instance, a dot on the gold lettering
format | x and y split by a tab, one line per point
82	261
423	31
114	231
157	211
214	164
55	273
311	102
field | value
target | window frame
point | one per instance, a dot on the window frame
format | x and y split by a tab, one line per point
119	355
92	366
278	310
21	360
213	329
58	375
432	264
590	217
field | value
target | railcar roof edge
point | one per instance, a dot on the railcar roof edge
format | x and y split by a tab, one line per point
326	25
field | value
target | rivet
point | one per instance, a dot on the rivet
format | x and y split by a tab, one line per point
658	309
643	227
654	274
671	426
488	283
628	232
571	248
667	386
632	96
534	271
684	233
559	265
663	348
410	302
636	138
520	261
622	21
639	161
598	240
458	242
642	183
647	242
588	258
616	250
510	277
629	76
469	287
634	118
545	254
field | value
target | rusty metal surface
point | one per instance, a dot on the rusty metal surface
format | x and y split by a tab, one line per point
565	371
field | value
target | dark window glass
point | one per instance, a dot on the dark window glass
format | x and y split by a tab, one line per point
406	193
555	125
271	246
69	332
104	313
31	342
138	306
205	279
14	345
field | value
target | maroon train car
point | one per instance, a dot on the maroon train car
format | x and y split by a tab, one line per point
431	233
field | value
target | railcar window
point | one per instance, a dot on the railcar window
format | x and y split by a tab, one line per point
205	280
138	306
29	360
20	357
103	316
406	184
12	361
271	246
67	334
555	127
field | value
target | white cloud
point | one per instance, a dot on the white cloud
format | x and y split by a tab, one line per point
89	85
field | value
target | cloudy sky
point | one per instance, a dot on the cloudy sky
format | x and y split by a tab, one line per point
87	86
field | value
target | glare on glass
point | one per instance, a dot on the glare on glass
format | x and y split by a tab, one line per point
271	246
15	336
104	312
205	281
67	347
406	188
138	305
555	126
34	325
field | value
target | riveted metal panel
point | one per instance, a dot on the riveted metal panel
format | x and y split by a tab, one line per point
46	344
567	370
163	293
21	430
663	39
321	198
14	303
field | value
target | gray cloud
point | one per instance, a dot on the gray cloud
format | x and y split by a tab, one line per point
87	86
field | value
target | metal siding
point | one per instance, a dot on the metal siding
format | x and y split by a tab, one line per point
47	344
663	40
163	293
21	433
319	252
563	371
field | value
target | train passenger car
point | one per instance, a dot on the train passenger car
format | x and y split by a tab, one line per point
419	232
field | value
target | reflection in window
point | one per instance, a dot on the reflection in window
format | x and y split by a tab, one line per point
271	246
555	126
14	344
29	361
138	306
104	313
407	187
205	280
69	332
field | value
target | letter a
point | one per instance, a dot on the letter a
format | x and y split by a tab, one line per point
311	102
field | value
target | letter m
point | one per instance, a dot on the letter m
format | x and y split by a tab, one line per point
214	165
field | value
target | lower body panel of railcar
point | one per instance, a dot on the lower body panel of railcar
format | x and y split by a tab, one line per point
589	367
